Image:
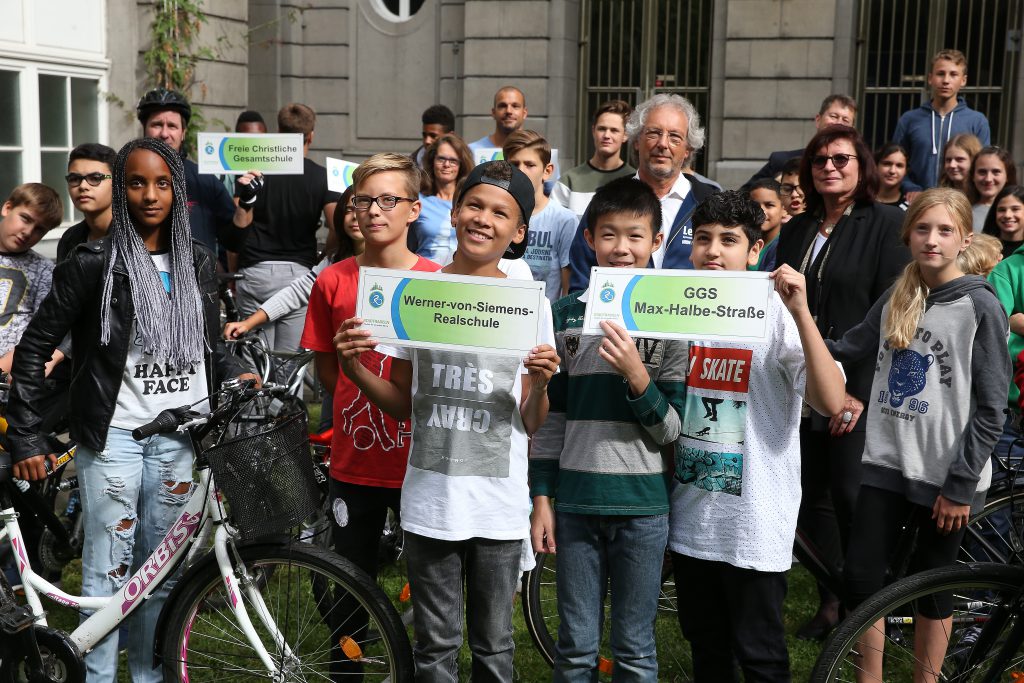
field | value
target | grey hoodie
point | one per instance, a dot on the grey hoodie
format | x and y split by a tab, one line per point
936	407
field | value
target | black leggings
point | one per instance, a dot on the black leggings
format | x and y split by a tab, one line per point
878	525
830	479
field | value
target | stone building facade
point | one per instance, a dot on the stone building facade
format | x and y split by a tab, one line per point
369	68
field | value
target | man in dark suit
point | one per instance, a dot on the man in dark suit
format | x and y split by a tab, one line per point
665	130
835	108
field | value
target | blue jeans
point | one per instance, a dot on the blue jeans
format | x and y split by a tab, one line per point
132	491
593	549
436	571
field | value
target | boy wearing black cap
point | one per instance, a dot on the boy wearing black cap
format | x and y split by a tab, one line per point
465	499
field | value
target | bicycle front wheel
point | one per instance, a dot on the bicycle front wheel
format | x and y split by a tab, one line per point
334	622
979	644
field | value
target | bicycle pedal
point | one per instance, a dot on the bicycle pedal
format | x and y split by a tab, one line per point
14	618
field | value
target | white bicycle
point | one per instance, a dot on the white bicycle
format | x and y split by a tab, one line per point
259	607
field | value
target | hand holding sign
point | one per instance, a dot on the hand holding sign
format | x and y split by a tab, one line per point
351	341
792	287
542	362
620	352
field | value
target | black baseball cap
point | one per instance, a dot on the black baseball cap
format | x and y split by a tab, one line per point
509	178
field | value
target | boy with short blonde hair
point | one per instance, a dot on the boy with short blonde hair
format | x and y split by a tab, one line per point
32	210
924	131
552	226
366	472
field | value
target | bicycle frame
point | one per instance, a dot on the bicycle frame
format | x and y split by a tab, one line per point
199	512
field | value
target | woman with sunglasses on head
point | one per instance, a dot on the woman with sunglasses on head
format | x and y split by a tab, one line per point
849	248
445	164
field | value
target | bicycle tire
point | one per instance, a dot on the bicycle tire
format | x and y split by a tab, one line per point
989	540
977	589
204	643
540	613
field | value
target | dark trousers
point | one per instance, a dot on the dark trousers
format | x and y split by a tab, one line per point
357	541
732	616
830	480
880	518
368	507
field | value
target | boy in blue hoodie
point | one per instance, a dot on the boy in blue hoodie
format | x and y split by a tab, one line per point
924	131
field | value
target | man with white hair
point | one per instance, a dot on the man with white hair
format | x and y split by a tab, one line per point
666	131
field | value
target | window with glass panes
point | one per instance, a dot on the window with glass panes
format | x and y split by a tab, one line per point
44	115
67	117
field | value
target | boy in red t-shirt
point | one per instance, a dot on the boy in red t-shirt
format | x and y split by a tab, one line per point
369	449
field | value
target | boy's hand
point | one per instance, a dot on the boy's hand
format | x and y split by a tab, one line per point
838	425
792	287
248	187
542	363
949	516
56	359
34	468
619	350
542	525
236	329
246	376
350	342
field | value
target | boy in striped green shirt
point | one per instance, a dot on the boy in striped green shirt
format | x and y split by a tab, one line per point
613	406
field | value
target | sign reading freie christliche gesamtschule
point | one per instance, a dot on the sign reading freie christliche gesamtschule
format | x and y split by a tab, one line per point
238	153
453	312
680	304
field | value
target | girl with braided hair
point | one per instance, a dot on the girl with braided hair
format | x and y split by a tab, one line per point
141	307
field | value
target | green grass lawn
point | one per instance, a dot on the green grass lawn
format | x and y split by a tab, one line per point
529	665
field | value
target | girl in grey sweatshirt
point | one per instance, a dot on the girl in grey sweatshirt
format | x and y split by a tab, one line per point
936	410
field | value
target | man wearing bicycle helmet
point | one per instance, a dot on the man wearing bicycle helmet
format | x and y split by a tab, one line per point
213	216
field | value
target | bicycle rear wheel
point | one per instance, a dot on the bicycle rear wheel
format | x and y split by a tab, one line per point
989	536
336	623
986	608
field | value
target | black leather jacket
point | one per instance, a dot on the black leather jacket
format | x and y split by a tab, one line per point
73	305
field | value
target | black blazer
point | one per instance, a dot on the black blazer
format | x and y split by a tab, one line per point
776	160
867	255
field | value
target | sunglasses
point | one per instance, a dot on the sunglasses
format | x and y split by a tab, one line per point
838	160
94	179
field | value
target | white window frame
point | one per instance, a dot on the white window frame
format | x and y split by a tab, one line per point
29	106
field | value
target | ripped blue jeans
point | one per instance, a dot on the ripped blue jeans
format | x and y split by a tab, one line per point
132	492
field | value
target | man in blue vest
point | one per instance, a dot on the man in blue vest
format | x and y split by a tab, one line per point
665	130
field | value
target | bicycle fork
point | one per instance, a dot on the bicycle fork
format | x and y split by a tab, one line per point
232	582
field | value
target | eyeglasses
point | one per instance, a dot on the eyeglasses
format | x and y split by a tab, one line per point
447	161
655	135
94	179
787	188
838	160
386	202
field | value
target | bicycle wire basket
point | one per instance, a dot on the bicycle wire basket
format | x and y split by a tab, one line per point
267	477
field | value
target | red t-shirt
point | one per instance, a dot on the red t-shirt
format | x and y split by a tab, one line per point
368	447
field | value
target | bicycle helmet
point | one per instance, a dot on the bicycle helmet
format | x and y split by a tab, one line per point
162	99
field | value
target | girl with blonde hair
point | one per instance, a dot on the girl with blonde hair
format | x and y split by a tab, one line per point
942	370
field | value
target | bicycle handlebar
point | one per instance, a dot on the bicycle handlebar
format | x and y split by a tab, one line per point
173	419
165	422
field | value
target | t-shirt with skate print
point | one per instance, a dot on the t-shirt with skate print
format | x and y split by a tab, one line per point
736	489
150	385
368	447
467	474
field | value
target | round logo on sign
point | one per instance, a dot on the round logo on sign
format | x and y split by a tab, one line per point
607	295
209	148
376	299
334	172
